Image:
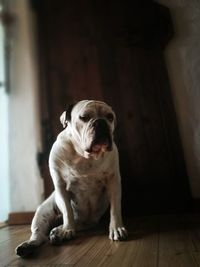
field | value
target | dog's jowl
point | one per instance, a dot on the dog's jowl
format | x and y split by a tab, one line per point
84	167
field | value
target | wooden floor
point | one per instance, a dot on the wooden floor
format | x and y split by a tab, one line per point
164	241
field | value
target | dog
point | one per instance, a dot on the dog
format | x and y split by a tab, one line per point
84	167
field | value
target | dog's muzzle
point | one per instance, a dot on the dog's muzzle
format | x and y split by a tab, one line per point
102	139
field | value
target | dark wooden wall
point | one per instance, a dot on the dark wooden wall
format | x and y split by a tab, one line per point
114	51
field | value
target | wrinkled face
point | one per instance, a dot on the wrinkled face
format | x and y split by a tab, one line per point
93	124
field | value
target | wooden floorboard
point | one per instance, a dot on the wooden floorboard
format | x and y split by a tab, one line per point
154	241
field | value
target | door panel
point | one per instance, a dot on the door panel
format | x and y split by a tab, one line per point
113	51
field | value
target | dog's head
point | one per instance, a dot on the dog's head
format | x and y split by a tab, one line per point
91	124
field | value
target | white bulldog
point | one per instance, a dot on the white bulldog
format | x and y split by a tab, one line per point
84	166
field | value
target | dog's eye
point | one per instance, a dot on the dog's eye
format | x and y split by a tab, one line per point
110	117
84	118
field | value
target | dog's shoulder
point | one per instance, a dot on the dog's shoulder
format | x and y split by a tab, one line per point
62	148
63	141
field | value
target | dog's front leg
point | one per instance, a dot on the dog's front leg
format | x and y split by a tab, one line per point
117	231
62	198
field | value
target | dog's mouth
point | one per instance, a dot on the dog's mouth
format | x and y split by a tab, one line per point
98	146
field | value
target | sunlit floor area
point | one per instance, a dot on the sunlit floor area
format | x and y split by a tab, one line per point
168	240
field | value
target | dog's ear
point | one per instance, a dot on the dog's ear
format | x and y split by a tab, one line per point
63	119
66	116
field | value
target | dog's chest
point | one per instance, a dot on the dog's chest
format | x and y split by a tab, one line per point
85	175
88	193
91	182
86	180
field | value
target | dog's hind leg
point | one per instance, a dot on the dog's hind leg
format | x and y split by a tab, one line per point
41	224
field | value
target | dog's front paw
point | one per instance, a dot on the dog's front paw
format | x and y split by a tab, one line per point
59	234
118	233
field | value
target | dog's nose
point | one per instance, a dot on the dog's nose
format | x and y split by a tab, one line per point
102	133
99	123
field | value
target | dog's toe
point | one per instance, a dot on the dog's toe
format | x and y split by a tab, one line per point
55	237
59	234
118	234
69	234
55	240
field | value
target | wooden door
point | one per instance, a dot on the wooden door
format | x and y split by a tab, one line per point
113	51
